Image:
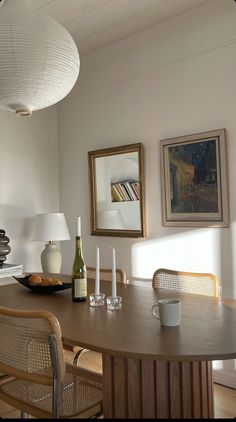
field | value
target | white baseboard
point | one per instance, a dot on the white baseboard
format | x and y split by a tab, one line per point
225	378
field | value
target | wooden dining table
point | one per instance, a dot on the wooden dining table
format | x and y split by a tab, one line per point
149	371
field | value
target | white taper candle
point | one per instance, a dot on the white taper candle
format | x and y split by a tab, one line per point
113	291
78	227
97	280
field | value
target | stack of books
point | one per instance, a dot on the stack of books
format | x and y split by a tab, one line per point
128	190
8	270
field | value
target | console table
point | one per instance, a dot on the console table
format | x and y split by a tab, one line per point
149	371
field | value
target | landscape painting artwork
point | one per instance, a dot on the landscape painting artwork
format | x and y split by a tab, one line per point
194	180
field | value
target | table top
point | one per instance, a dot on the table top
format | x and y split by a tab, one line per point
207	330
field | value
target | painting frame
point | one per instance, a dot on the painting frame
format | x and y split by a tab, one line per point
194	185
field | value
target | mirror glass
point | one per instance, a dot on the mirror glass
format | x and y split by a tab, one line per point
117	191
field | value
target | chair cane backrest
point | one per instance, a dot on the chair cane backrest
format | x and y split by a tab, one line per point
180	281
25	347
106	274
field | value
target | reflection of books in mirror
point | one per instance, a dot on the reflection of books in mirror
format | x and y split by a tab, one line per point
115	194
136	189
125	191
131	192
7	270
129	198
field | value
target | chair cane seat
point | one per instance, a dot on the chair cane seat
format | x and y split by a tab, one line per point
79	395
40	382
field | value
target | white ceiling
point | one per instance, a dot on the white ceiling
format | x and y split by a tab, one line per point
96	23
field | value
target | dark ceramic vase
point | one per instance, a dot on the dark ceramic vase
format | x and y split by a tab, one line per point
4	247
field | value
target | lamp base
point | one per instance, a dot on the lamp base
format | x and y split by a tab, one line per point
51	258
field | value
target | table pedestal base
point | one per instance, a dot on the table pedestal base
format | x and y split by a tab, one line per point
136	388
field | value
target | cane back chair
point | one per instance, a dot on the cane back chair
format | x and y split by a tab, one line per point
43	386
105	275
181	281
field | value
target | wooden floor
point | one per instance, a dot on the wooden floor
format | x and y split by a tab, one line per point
225	401
224	397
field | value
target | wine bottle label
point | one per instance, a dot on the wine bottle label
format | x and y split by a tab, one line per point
80	287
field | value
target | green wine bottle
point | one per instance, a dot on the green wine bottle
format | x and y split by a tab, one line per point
79	273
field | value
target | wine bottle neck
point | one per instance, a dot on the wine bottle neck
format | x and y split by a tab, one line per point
78	245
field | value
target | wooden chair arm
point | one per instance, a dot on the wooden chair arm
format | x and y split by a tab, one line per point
78	356
86	374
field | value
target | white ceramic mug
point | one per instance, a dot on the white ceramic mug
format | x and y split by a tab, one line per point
168	311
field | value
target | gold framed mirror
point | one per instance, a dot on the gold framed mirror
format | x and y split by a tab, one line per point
117	200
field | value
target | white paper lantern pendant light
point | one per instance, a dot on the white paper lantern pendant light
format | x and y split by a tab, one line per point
39	60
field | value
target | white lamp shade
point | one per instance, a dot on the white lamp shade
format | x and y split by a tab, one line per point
110	219
50	227
39	62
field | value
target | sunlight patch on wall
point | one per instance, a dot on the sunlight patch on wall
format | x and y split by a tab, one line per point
196	251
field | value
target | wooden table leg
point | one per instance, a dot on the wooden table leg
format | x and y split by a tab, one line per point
136	388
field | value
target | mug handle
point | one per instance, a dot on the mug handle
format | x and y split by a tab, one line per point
154	312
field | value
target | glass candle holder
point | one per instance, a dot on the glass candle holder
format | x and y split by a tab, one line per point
114	303
97	299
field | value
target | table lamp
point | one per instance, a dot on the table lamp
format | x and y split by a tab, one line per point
110	219
50	227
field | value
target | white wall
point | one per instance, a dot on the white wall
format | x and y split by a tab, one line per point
28	180
175	79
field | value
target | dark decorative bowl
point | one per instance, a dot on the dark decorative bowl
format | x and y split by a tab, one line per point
42	289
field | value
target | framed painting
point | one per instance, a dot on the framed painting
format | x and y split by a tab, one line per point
194	180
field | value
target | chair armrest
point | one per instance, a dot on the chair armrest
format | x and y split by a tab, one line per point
84	373
78	355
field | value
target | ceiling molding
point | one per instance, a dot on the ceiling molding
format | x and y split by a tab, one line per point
96	23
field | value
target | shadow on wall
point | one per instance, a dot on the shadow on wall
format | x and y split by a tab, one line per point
18	227
105	243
